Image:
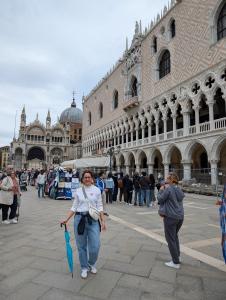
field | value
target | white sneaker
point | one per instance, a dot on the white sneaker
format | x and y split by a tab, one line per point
92	269
171	264
5	222
84	273
14	221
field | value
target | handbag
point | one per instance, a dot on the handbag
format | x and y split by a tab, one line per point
93	211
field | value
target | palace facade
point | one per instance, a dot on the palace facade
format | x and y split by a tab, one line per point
163	104
42	146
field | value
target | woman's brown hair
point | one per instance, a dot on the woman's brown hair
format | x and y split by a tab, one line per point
173	178
87	172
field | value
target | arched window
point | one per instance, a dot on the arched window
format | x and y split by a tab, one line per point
133	86
101	110
115	100
164	64
221	24
89	119
154	44
172	28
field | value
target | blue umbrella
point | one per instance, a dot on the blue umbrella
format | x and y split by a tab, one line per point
68	249
222	211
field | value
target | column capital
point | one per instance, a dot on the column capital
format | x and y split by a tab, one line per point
186	162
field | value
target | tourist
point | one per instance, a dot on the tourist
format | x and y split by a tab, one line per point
86	229
145	190
152	189
41	179
120	186
136	184
109	185
9	197
170	198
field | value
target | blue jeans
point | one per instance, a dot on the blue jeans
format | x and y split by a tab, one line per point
145	194
88	244
137	196
40	190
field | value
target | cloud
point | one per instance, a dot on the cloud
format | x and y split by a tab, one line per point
50	48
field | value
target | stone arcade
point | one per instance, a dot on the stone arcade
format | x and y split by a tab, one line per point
166	96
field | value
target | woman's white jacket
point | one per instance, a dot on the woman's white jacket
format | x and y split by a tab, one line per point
6	196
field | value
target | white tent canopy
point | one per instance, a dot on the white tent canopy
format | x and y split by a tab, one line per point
88	162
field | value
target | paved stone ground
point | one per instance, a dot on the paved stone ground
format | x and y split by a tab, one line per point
131	264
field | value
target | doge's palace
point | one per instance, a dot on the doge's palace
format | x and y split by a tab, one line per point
164	101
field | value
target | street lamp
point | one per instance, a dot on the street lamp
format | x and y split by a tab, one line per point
111	151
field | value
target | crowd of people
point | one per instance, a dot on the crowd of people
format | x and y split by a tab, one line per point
97	191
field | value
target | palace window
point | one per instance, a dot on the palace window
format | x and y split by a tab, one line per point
173	29
164	64
154	44
89	119
115	100
133	86
101	110
221	24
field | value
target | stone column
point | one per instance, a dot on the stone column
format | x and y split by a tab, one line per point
143	133
165	128
118	169
174	125
186	120
150	168
138	168
127	138
211	115
214	172
187	170
137	135
149	130
197	119
127	169
166	170
157	130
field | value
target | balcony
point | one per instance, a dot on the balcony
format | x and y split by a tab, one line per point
132	102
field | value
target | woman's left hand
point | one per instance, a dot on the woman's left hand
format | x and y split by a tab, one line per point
103	225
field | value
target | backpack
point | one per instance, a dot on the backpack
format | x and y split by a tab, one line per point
120	183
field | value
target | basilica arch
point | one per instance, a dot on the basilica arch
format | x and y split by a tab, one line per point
36	158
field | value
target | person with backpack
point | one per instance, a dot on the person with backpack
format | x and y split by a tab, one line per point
152	189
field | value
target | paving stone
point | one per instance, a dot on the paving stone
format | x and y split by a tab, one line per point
127	268
61	281
162	273
214	296
214	285
146	285
144	258
15	280
189	287
101	285
47	264
16	264
129	248
125	294
151	296
57	294
59	254
30	291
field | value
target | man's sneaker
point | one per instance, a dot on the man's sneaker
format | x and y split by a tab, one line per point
92	269
5	222
84	273
14	221
171	264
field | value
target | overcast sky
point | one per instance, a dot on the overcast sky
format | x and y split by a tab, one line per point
48	48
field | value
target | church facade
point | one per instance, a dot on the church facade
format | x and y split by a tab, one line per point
43	146
163	105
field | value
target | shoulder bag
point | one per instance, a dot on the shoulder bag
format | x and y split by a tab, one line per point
93	211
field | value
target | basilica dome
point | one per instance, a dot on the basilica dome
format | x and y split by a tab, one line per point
71	114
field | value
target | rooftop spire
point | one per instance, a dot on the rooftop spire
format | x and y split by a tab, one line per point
73	104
